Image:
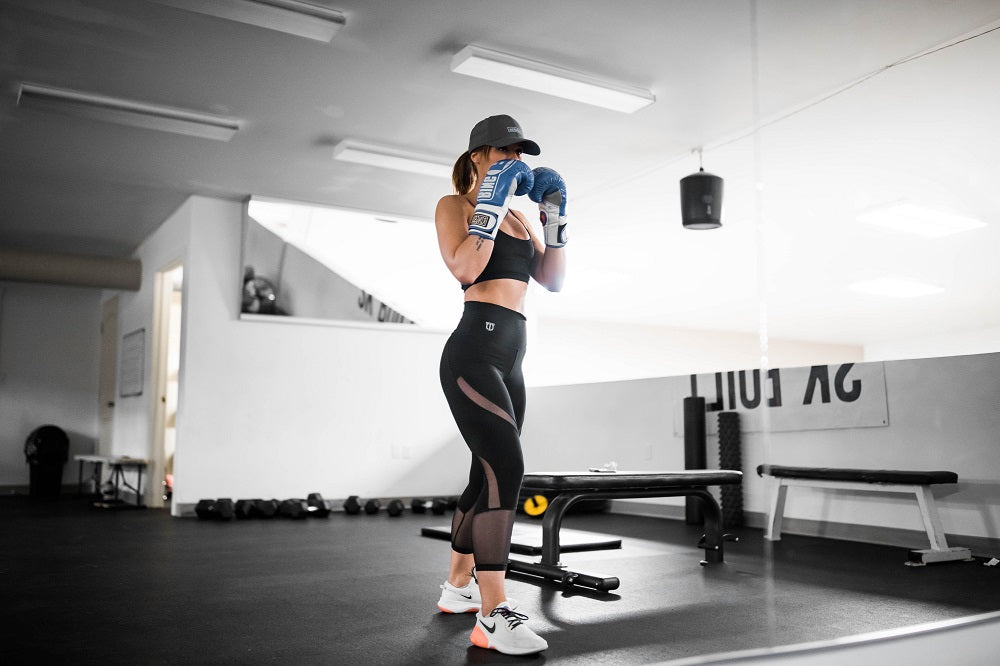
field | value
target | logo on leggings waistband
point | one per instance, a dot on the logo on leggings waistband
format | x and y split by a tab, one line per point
490	326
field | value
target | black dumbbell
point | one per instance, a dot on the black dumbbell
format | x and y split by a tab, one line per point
295	509
267	508
352	506
247	508
318	507
226	508
217	509
439	505
205	509
372	506
395	508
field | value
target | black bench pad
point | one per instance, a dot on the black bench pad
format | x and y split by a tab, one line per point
864	475
628	481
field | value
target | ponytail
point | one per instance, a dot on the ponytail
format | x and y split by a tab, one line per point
463	174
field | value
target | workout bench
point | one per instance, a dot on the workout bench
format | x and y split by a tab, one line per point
570	487
117	465
868	480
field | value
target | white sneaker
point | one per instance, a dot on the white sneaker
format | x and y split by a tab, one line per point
464	599
460	599
505	631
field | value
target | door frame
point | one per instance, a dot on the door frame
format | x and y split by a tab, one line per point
162	297
107	381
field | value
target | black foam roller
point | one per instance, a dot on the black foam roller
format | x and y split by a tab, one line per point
694	451
731	457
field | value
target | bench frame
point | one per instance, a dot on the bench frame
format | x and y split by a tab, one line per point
552	569
939	550
117	465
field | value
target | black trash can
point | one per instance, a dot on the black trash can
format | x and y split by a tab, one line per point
46	449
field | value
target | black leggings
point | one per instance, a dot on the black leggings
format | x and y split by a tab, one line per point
482	381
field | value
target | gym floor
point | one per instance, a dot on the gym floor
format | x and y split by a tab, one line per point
90	586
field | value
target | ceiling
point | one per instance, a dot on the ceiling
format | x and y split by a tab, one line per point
812	111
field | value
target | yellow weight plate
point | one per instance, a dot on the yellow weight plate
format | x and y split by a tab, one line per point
536	505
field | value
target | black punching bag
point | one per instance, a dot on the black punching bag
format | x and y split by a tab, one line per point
701	201
694	451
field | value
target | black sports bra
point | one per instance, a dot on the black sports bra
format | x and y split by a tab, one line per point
511	259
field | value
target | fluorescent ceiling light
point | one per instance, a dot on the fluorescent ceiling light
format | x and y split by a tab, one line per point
895	288
927	222
126	112
523	73
387	157
302	19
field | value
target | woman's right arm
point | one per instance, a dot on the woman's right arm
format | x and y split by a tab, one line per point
465	256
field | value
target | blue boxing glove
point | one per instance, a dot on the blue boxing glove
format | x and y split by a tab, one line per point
502	182
549	191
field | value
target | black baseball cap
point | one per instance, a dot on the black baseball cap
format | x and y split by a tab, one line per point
500	131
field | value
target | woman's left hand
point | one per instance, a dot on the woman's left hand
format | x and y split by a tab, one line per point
549	191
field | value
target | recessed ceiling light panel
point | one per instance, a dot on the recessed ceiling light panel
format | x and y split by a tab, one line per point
891	287
540	77
293	17
920	220
388	157
126	112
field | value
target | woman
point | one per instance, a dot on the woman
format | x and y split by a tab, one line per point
492	251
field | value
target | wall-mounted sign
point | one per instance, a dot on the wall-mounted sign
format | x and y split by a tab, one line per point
133	361
819	397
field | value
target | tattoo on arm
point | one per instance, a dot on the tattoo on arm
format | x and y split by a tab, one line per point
479	243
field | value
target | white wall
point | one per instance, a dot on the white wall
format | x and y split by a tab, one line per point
49	350
275	408
604	351
132	432
280	409
982	341
942	415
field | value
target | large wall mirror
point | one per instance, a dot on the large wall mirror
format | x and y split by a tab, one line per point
862	223
325	263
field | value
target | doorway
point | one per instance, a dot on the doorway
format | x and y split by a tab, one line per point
168	308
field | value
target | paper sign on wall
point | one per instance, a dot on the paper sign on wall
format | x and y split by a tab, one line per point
819	397
133	360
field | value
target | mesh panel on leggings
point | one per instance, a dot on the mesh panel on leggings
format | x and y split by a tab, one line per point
461	532
491	532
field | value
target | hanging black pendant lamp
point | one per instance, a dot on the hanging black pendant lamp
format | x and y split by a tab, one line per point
701	200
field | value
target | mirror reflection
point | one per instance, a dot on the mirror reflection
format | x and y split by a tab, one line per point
317	262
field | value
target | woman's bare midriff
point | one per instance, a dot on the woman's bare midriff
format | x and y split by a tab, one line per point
503	291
